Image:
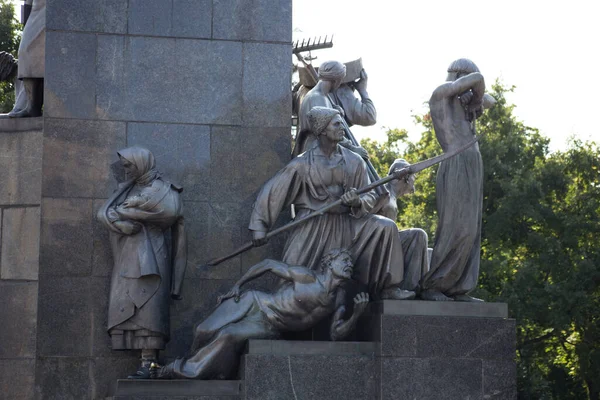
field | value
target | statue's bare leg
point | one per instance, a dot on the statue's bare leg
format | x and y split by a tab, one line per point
434	295
228	312
219	358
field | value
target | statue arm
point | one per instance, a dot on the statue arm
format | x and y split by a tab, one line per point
282	270
358	112
473	82
341	328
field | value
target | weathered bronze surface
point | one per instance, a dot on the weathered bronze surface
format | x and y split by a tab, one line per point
140	215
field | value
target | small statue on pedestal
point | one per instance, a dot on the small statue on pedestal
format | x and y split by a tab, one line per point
304	298
29	94
139	216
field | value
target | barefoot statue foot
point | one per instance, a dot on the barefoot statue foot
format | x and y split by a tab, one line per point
397	294
466	297
434	296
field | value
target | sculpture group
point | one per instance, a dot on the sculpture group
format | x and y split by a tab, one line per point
343	250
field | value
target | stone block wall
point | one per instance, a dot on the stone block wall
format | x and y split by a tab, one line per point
205	85
20	191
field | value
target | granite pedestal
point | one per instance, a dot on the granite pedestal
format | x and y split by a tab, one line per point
405	350
408	350
278	370
432	350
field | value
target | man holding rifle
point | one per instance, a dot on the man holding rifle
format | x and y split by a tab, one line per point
325	173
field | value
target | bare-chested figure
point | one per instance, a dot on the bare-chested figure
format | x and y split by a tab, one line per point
459	187
300	302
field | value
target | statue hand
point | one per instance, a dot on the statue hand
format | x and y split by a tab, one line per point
259	238
351	198
466	98
340	110
403	173
361	301
361	152
112	215
361	85
234	292
128	227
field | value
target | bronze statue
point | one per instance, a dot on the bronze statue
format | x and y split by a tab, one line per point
31	68
357	111
303	299
321	175
139	215
455	105
331	75
414	240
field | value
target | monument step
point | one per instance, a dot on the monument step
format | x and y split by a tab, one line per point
133	389
315	370
302	347
440	308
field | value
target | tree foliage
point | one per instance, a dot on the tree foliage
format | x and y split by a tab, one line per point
540	243
10	37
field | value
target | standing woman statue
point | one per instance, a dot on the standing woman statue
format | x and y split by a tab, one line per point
455	105
147	271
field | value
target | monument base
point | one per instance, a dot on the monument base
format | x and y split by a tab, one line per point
405	350
449	350
282	369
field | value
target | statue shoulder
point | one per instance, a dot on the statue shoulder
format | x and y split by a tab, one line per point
160	183
351	157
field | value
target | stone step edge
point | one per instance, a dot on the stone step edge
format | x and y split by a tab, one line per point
310	348
177	387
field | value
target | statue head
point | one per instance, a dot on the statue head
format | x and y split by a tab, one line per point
339	261
402	186
138	162
461	67
332	71
326	121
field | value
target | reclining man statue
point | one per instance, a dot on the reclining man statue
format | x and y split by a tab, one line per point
304	298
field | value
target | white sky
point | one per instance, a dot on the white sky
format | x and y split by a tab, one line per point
548	49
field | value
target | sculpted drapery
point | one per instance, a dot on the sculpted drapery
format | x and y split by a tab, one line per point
147	269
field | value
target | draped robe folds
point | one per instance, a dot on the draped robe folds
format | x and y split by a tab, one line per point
144	276
456	251
373	240
414	243
33	42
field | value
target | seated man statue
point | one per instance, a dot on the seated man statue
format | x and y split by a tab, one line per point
414	240
304	298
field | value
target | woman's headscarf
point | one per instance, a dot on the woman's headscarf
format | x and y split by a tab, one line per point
143	159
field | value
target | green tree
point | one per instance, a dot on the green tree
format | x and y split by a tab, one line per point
10	37
540	243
